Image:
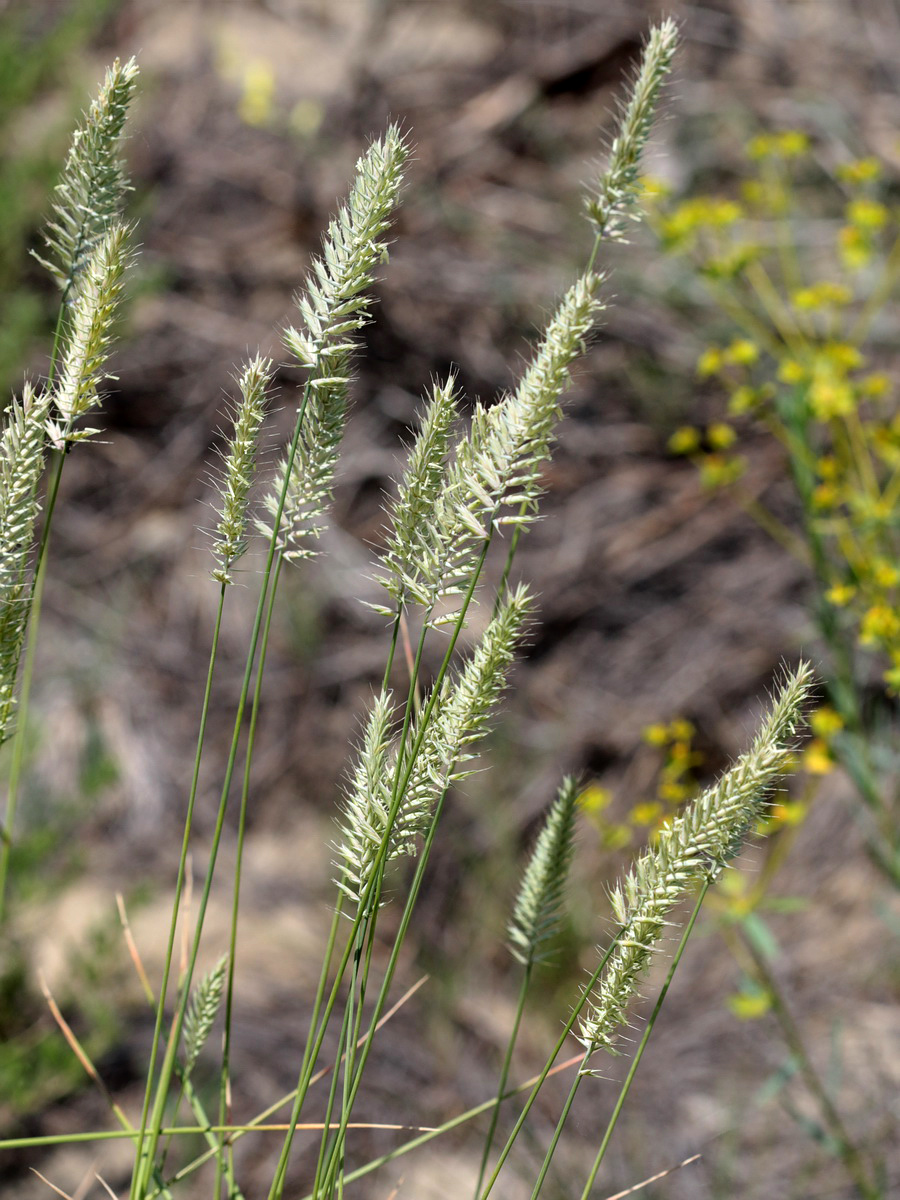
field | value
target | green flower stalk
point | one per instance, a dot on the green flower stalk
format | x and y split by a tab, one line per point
695	847
91	191
610	204
535	918
240	467
333	308
22	446
93	312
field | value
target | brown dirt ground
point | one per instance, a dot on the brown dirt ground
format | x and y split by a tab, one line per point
657	599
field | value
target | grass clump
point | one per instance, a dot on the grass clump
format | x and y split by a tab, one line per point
465	485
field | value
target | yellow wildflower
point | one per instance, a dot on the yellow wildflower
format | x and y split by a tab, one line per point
817	760
862	170
875	385
258	94
656	735
749	1006
825	722
681	730
742	352
866	214
720	436
645	813
594	798
710	362
684	440
840	594
792	371
880	624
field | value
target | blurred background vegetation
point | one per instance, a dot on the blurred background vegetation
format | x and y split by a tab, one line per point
665	606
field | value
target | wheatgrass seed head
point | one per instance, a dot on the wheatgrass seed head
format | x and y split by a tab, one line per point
611	202
200	1016
367	802
494	477
333	307
89	336
536	915
462	717
239	467
695	847
90	194
22	451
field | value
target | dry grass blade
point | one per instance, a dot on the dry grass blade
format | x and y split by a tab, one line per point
654	1178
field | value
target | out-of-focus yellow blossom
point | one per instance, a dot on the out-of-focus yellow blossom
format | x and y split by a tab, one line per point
684	440
822	295
875	385
716	470
863	213
854	247
710	362
817	759
720	436
844	356
653	188
673	791
789	143
749	1005
826	495
681	730
885	574
594	798
862	170
656	735
743	400
840	595
825	722
792	371
256	105
646	813
742	352
788	813
831	396
880	623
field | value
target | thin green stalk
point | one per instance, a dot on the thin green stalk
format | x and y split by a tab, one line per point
182	861
155	1117
635	1063
548	1066
504	1075
560	1124
848	1152
372	892
34	617
225	1082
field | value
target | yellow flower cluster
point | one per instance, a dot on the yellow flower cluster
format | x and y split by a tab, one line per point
798	364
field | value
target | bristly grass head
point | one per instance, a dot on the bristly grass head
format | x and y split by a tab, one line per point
696	846
333	307
536	915
240	467
611	201
90	193
494	478
201	1013
22	445
90	333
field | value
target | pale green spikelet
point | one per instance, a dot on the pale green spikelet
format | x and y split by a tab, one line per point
333	307
367	805
420	488
92	315
462	717
696	846
240	466
612	200
201	1013
90	193
535	918
497	466
22	446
